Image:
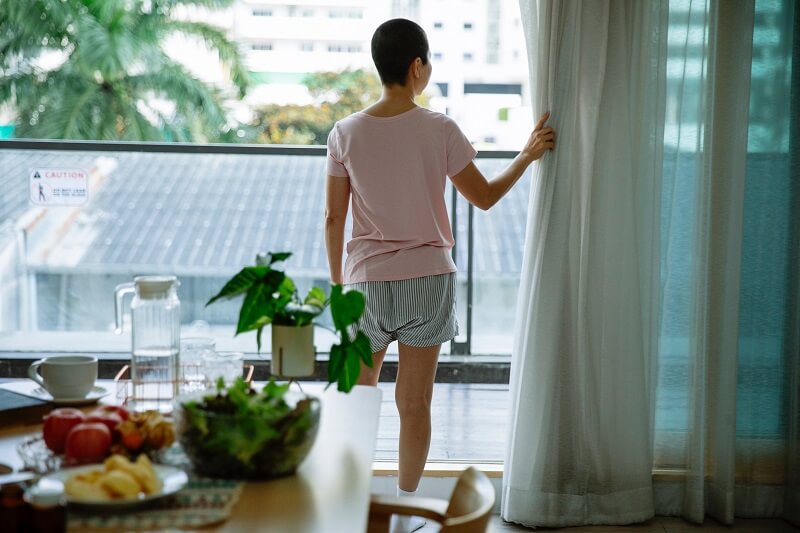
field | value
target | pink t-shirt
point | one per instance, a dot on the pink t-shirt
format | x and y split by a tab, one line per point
397	168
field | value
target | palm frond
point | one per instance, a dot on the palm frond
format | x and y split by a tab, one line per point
28	28
215	39
108	51
193	99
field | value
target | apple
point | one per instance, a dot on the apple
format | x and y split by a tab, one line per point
57	425
121	411
110	418
88	442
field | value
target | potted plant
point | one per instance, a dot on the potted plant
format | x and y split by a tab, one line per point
271	298
237	432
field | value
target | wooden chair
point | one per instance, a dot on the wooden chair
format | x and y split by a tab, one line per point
467	511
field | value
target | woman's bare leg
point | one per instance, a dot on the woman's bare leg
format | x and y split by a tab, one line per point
369	376
415	375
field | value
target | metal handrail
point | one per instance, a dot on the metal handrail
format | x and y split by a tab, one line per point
456	348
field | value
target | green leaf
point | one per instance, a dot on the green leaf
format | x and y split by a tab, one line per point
346	308
275	257
362	348
241	282
335	363
274	391
349	376
258	337
316	297
257	309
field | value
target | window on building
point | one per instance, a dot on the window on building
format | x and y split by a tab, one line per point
438	56
348	48
308	13
262	12
261	46
468	56
345	14
307	47
467	25
438	25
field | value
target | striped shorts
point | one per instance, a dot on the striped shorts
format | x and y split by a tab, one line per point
417	312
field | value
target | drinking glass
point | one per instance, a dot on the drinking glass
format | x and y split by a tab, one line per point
225	365
193	353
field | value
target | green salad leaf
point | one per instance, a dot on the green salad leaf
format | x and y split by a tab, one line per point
239	423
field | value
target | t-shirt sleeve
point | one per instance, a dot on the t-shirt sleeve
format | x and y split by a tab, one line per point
335	166
459	150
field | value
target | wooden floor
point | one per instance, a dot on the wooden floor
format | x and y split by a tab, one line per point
468	421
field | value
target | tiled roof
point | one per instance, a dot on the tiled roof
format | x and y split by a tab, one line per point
211	213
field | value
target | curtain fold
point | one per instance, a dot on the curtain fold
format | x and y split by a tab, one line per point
580	448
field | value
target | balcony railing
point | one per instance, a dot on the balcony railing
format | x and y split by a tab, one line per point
462	215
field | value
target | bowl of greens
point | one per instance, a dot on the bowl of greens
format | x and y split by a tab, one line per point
237	432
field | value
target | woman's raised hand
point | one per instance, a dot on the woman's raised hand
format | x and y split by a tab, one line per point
542	138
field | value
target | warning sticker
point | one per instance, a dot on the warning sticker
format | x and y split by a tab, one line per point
59	186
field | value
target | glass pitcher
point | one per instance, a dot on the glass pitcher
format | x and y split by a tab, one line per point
155	339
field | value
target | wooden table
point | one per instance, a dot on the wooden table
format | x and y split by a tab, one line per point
329	493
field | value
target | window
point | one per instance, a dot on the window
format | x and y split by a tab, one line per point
352	49
169	120
345	13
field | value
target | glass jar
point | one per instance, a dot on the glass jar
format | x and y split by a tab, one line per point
155	339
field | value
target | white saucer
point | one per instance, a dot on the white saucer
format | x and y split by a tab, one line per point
30	388
93	395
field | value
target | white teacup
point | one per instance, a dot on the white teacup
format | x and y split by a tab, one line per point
65	376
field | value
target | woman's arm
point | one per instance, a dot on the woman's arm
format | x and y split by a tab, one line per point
337	201
482	193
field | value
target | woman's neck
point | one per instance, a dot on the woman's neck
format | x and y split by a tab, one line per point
396	99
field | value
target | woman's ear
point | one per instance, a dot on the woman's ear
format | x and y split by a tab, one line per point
417	67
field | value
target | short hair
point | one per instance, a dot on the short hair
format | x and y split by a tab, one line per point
395	45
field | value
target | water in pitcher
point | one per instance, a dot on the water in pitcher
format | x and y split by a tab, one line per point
155	376
155	340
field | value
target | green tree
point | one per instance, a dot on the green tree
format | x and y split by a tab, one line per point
335	94
98	69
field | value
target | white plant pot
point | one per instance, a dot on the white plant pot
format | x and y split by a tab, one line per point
293	353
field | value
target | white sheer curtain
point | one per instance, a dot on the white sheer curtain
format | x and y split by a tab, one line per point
664	228
705	166
580	449
726	424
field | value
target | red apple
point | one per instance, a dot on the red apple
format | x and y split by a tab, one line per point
110	418
57	425
121	411
88	442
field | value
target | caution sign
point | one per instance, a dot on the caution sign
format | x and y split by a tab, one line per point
59	186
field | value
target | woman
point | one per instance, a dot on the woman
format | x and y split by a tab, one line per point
391	160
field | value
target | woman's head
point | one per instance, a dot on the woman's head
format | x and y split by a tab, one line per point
398	44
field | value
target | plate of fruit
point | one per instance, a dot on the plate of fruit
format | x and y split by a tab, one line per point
117	484
71	437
